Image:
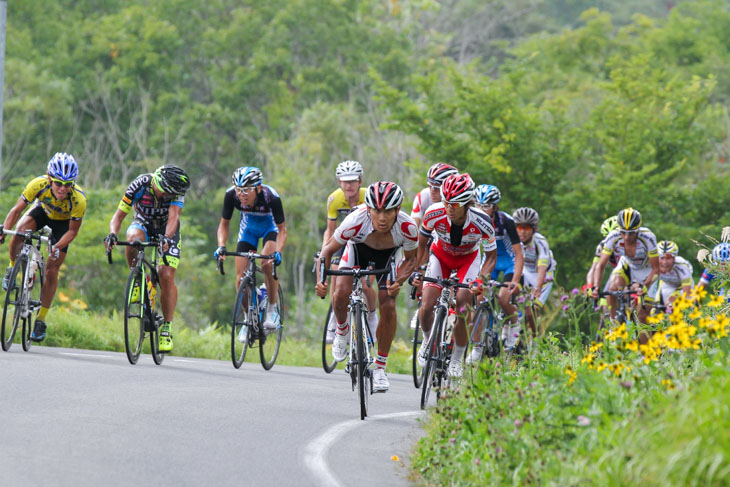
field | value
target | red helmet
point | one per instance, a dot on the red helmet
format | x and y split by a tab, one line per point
384	195
457	188
438	173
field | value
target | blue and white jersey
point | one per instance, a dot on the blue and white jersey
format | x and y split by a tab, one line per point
258	219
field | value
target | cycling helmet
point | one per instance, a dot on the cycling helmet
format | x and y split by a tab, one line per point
384	195
629	220
486	194
349	171
63	166
457	188
667	247
525	216
609	225
438	173
171	179
721	253
247	176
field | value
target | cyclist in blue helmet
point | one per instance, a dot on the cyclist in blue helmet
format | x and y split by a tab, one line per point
720	260
60	204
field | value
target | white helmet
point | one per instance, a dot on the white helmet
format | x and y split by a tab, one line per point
349	171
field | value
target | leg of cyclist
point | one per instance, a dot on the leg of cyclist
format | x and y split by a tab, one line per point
431	293
371	300
620	277
169	291
386	333
272	285
340	301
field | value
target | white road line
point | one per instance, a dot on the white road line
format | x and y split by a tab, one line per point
183	360
85	355
315	453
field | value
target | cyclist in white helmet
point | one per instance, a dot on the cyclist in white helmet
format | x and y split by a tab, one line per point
675	275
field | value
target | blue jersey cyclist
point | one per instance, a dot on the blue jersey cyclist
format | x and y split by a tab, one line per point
59	204
510	259
262	218
720	260
157	199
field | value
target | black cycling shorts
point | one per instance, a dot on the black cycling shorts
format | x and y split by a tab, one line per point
58	227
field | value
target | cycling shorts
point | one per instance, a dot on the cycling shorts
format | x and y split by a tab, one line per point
631	274
254	227
529	280
247	247
505	265
58	227
360	255
173	252
441	264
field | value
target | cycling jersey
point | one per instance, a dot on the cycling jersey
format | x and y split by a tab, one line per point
259	220
72	207
148	209
537	253
421	203
645	247
613	260
338	207
679	275
459	239
358	225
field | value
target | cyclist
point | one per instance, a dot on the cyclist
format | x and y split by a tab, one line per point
59	204
436	175
720	259
639	262
372	233
459	228
510	260
157	199
539	268
675	275
609	225
262	217
340	203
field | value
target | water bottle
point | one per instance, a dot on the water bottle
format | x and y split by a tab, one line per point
152	289
263	297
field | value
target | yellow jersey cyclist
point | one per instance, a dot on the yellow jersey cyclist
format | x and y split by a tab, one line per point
539	268
158	199
372	233
638	264
59	204
340	203
675	275
262	218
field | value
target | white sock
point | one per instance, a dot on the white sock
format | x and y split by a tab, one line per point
271	308
458	353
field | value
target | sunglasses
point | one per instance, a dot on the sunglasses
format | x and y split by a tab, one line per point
453	205
524	227
245	190
65	184
627	232
485	207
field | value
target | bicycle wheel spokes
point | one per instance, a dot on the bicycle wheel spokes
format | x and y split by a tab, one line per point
13	305
328	362
134	319
363	373
240	329
432	359
270	339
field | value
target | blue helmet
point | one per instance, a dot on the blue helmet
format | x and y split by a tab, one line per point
721	252
486	194
63	166
247	176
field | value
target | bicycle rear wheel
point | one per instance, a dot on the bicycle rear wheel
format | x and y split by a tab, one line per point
364	378
157	356
433	357
34	304
484	332
241	329
134	316
270	339
328	362
13	304
417	339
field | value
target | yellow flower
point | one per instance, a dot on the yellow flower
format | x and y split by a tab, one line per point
695	314
715	301
668	384
633	346
572	375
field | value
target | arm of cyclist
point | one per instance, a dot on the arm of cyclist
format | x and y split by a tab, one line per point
114	225
328	250
13	216
514	285
405	270
541	273
173	219
490	260
66	238
598	273
280	242
654	274
224	227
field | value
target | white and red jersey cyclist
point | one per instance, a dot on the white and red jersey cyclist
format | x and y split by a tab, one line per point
437	174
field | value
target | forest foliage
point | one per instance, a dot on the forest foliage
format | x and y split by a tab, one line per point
573	110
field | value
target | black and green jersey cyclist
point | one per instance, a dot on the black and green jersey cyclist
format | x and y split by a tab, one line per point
157	199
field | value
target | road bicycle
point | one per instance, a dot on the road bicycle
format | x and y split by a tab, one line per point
488	321
440	345
415	325
360	357
249	314
23	297
328	362
625	311
142	311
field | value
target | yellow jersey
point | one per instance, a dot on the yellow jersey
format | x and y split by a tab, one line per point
72	207
337	205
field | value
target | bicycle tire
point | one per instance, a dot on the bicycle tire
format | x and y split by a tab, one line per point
270	340
434	352
328	362
363	375
14	300
134	317
34	298
157	356
240	319
417	339
489	338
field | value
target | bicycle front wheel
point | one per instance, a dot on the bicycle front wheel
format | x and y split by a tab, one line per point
35	284
270	339
328	362
157	356
364	378
433	357
417	340
13	304
134	315
240	325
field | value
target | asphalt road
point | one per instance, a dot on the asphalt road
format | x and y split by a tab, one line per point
89	418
